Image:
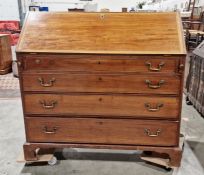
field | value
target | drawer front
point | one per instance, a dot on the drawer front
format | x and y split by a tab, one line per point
103	131
102	83
96	63
102	105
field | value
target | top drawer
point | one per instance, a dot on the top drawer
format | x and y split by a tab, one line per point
97	63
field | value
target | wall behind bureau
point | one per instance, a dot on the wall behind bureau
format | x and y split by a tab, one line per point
170	5
9	10
63	5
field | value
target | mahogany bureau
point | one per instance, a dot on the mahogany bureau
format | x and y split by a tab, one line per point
102	80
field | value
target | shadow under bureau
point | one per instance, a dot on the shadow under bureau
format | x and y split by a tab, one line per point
102	80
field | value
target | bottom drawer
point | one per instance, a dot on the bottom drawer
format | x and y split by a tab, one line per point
102	131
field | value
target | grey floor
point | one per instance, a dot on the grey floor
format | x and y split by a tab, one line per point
95	162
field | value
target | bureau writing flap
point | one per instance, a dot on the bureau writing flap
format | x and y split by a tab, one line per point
108	33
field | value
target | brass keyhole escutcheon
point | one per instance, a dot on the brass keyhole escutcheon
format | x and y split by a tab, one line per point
37	61
102	16
100	79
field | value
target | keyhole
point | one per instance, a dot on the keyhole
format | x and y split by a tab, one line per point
102	16
100	123
99	78
100	99
99	62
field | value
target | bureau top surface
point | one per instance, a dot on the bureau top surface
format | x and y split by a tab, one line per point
103	33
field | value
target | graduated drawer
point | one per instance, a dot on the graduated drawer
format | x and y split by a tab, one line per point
102	131
97	63
102	105
102	83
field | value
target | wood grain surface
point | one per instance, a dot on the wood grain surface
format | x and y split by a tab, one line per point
104	131
101	63
122	33
101	83
104	105
5	54
102	80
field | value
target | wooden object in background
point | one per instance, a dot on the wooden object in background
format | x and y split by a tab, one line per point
191	7
195	80
196	24
102	80
5	54
195	37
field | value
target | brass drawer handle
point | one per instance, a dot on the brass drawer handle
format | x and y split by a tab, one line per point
151	109
50	105
50	83
47	131
158	69
151	134
152	86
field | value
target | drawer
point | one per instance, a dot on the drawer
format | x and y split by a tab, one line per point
102	105
102	131
102	83
95	63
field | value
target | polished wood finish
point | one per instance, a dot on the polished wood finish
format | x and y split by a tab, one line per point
102	83
102	105
101	63
102	131
114	82
110	33
5	54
